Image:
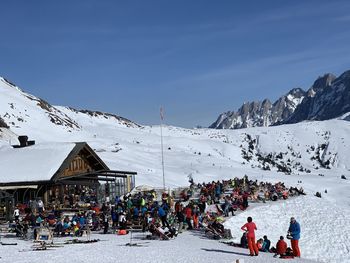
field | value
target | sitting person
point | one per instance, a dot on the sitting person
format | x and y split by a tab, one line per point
76	229
259	244
51	220
59	228
66	227
274	197
266	245
216	226
21	229
281	247
163	234
288	254
244	241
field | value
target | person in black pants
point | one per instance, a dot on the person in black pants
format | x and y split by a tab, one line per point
105	223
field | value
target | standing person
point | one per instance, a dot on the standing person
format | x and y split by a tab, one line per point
16	214
115	218
227	206
294	231
188	213
250	227
163	217
196	215
105	223
122	221
245	200
40	205
181	219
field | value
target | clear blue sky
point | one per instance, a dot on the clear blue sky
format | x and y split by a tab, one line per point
196	58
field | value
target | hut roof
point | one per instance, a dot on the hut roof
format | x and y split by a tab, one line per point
41	162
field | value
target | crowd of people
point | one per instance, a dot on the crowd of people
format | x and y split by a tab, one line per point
165	215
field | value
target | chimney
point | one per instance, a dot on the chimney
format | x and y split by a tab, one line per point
23	140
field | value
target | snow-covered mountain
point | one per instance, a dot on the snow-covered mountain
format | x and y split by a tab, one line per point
261	114
328	97
118	140
314	155
27	114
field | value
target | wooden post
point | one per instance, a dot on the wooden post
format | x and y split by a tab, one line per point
45	196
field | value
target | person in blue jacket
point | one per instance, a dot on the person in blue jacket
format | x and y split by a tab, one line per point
162	215
294	232
266	245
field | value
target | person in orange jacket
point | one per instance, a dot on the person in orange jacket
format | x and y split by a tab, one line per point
250	227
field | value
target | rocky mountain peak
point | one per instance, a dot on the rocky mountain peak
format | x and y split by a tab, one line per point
261	113
3	123
323	82
328	97
297	92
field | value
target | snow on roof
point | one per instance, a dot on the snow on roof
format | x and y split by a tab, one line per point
33	163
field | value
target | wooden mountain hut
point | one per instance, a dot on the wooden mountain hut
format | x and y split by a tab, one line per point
60	174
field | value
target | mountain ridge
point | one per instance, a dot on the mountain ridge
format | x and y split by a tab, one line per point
22	112
327	91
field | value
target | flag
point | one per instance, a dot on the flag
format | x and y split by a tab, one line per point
161	113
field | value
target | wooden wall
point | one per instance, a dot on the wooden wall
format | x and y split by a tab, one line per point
77	166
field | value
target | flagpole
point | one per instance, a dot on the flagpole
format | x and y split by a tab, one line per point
161	142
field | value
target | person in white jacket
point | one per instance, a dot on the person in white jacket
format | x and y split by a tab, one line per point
16	214
41	206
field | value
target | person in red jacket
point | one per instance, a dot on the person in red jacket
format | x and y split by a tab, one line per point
188	214
281	247
250	227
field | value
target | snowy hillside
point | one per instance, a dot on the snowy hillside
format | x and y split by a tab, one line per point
316	153
27	114
303	148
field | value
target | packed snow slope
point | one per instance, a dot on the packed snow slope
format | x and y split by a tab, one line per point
113	248
316	153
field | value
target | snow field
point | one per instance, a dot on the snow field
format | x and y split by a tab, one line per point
325	233
187	247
